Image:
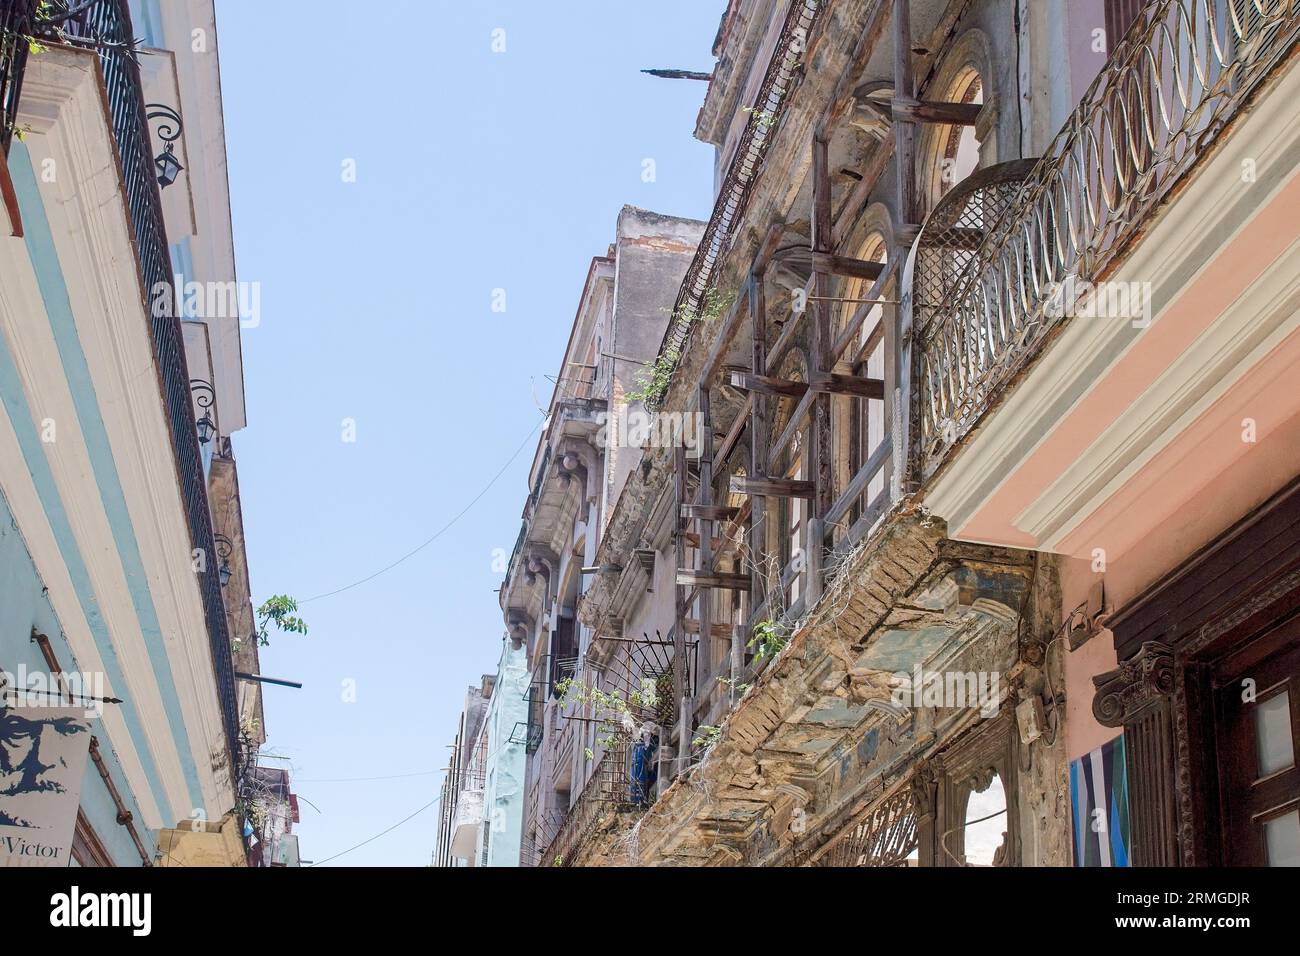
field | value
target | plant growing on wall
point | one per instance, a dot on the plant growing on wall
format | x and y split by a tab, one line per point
767	639
280	612
763	119
652	383
706	735
740	687
612	710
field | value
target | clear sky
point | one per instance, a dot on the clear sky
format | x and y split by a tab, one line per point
475	171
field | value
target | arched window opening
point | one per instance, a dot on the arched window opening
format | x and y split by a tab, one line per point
984	834
866	359
956	152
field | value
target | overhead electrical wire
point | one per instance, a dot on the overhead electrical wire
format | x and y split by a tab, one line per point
498	749
441	531
378	835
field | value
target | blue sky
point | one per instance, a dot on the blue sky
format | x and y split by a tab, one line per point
475	171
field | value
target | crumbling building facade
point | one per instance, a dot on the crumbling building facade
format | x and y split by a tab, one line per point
977	541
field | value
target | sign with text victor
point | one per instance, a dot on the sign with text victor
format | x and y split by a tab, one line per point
43	753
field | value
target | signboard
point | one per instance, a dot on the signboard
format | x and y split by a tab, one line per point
43	752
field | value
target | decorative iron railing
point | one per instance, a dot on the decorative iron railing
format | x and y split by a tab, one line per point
609	789
885	835
105	27
17	32
783	72
1180	75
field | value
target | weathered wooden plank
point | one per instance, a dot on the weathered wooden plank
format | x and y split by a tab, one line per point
772	487
932	111
736	430
717	630
780	387
689	577
858	484
847	266
792	427
838	384
708	512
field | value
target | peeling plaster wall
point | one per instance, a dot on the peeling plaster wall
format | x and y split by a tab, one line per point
652	253
1044	780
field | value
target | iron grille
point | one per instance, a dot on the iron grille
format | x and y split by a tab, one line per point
1181	74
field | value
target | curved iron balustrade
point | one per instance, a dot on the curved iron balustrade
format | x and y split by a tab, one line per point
1184	70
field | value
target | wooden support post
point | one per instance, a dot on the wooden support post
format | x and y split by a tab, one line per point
679	616
838	384
729	580
847	266
767	385
899	406
758	437
771	487
820	452
716	630
704	555
926	111
711	512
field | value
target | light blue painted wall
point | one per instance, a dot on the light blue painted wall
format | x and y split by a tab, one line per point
49	276
23	605
504	788
146	19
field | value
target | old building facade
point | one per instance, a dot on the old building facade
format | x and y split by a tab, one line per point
975	541
123	564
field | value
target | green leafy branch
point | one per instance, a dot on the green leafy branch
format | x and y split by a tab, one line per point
762	118
280	612
612	710
767	639
653	382
706	735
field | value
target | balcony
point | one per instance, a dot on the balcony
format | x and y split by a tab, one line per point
606	792
990	265
467	824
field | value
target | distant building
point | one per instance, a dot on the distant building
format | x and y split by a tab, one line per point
596	439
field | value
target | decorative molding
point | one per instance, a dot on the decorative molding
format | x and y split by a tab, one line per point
1057	380
1138	684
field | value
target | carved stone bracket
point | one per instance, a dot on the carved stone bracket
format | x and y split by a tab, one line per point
1142	681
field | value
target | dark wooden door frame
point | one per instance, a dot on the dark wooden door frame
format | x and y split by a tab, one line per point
1220	604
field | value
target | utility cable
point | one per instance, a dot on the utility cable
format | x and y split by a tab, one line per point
378	835
441	531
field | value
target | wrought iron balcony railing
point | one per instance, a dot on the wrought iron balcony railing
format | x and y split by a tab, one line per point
610	788
105	27
16	32
1182	73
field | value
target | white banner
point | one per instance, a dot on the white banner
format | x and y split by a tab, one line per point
43	752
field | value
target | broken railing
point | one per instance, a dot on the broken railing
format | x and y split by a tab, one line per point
1180	75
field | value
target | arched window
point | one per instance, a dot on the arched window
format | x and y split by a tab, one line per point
961	148
947	154
866	358
985	833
